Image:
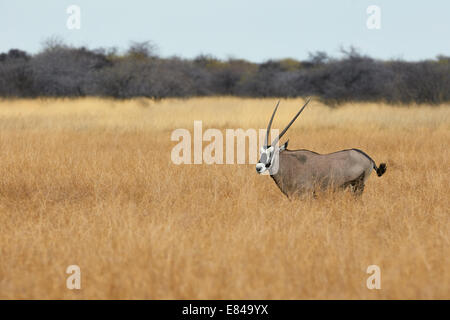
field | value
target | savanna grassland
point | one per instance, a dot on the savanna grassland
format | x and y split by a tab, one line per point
91	182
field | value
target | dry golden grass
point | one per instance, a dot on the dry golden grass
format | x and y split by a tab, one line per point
90	182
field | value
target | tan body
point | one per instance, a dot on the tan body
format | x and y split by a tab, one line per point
303	171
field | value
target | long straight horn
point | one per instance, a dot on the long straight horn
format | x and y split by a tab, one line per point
290	123
270	124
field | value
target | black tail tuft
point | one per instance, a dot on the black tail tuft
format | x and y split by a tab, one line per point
381	169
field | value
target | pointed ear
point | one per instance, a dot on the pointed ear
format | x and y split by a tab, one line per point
284	146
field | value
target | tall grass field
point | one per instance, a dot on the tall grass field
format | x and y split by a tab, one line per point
90	182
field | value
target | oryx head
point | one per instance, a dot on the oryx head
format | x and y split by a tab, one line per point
269	153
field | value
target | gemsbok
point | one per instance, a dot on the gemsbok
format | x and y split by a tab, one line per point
298	172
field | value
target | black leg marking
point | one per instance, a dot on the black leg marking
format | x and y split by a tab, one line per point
356	186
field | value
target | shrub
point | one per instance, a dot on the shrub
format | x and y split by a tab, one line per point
60	70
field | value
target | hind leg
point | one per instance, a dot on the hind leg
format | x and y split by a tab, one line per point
357	185
358	189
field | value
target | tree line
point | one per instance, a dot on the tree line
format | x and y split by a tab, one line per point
60	70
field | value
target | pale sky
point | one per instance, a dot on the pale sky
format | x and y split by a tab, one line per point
256	30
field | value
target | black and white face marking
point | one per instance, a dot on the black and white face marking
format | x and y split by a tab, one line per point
265	160
268	152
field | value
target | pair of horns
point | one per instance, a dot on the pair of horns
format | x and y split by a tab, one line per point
285	129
